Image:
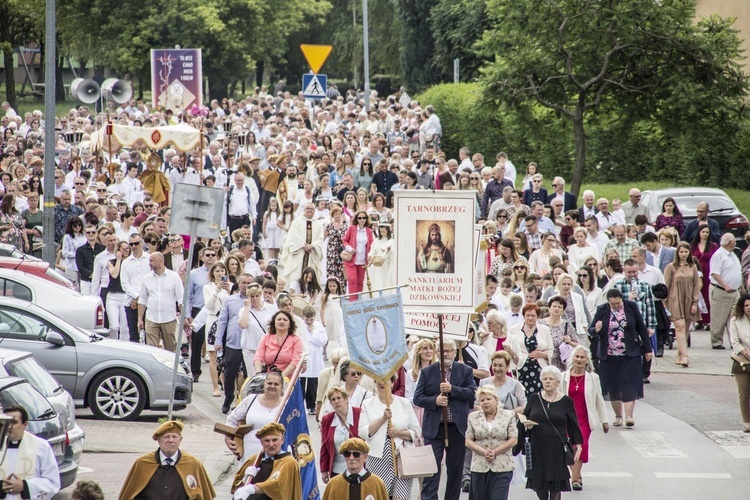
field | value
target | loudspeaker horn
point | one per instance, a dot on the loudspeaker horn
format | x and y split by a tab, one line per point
119	91
86	91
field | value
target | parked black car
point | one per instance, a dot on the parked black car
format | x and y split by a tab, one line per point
44	421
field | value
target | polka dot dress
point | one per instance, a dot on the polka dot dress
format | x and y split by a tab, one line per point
528	375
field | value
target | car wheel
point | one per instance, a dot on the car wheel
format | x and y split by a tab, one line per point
117	395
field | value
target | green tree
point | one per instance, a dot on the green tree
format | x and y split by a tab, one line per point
456	26
417	44
579	57
19	25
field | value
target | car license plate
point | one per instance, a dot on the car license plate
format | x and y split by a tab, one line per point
77	446
57	449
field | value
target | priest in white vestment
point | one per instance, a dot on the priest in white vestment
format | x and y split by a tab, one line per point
303	247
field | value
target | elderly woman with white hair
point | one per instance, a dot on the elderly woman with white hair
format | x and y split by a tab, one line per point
550	416
496	334
575	310
582	385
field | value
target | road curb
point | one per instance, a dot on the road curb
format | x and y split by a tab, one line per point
217	465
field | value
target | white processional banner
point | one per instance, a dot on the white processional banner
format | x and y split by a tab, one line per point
436	250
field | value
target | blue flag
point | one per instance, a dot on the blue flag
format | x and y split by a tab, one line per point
297	436
375	334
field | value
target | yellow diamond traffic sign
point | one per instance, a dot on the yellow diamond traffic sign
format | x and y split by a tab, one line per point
316	55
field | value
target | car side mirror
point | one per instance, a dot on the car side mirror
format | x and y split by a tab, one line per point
54	338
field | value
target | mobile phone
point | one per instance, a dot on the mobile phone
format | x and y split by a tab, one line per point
225	278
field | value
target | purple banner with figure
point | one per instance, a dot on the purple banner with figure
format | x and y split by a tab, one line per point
176	79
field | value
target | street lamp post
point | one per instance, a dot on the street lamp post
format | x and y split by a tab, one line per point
367	54
48	236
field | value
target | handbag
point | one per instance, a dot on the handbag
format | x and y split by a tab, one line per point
567	446
346	256
255	384
415	462
740	364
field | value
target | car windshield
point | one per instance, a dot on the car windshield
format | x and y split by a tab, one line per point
36	375
716	204
26	396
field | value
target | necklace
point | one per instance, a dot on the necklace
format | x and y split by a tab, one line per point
577	379
549	402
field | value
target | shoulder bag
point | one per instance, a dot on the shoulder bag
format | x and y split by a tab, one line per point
256	382
567	446
740	364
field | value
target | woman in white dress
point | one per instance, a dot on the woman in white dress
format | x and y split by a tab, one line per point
581	251
215	292
382	262
271	229
331	315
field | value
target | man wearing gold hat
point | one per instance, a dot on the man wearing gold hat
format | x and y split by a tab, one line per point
169	472
277	478
356	483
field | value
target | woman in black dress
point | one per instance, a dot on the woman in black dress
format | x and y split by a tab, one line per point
551	419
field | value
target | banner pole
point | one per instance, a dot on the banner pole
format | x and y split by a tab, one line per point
388	399
367	279
379	290
442	376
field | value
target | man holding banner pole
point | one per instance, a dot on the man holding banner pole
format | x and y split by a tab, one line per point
455	395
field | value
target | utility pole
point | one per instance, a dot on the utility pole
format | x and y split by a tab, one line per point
50	55
367	55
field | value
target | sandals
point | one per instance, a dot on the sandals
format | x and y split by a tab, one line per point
617	422
217	394
577	485
629	422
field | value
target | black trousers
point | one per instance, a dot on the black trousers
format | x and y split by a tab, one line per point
310	385
131	315
196	345
103	295
454	464
232	363
234	223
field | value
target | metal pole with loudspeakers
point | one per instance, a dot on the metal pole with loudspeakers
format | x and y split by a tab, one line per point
50	56
366	34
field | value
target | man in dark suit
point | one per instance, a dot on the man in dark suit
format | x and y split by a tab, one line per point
456	397
693	227
450	175
175	254
558	190
588	209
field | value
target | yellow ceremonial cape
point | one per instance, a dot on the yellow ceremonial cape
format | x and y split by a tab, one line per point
195	480
338	488
284	482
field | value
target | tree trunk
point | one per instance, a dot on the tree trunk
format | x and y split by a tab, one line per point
10	78
59	82
259	73
579	135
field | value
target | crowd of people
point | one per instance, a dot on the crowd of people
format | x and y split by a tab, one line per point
580	297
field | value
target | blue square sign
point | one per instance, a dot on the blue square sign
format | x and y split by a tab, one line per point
314	86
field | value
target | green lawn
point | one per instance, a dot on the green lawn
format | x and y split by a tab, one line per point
620	190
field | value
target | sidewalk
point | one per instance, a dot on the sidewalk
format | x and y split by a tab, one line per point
703	360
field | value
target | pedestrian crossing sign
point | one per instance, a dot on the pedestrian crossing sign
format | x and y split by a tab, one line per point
314	86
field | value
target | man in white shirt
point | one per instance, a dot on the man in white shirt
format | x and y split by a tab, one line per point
594	236
726	279
604	217
125	191
132	272
161	295
240	204
646	273
252	267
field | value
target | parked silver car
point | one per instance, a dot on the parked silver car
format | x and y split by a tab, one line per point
23	365
116	379
44	421
84	311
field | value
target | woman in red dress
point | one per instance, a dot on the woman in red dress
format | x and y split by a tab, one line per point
702	249
581	384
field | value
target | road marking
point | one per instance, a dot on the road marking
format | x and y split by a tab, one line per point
652	444
693	475
608	474
736	443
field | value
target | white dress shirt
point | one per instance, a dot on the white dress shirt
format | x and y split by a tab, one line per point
160	293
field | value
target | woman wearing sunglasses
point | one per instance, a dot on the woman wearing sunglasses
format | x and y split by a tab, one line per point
336	427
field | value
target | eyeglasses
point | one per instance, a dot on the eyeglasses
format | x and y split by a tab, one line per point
355	374
502	216
148	205
584	275
56	177
76	183
152	242
519	267
537	180
550	240
101	190
135	243
90	232
209	255
361	218
348	454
